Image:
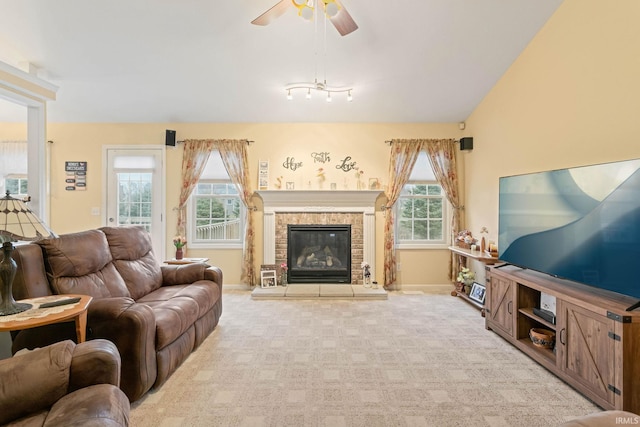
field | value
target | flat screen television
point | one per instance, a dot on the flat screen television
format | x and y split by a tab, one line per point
581	224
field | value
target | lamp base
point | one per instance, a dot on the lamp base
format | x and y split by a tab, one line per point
8	269
16	307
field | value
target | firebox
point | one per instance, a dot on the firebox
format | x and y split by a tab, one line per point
319	253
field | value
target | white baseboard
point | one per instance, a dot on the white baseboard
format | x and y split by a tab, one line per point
432	288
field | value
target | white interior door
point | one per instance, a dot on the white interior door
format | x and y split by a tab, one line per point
135	190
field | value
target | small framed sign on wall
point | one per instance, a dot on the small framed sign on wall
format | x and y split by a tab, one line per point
76	176
263	175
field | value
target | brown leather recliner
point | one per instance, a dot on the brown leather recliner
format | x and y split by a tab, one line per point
155	314
64	384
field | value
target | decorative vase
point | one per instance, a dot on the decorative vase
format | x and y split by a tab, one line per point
483	245
467	288
179	253
283	278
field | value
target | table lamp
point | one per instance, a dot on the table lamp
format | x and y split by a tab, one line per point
17	222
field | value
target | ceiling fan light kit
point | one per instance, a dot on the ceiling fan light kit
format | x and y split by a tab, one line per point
334	11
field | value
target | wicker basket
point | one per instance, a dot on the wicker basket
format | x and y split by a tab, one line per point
464	245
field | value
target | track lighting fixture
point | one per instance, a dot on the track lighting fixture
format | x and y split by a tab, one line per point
319	87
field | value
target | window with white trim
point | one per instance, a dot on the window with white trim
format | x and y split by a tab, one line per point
216	213
16	185
421	210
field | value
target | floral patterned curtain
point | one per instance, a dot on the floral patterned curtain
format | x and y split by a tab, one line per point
404	153
442	156
194	159
235	159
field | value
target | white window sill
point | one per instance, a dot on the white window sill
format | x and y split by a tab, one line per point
221	245
422	246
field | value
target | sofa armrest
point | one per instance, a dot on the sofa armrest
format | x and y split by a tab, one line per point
34	380
215	275
132	328
188	273
94	362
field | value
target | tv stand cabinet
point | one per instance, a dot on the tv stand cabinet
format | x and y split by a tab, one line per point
597	340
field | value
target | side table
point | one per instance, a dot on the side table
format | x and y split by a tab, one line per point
186	261
36	316
484	258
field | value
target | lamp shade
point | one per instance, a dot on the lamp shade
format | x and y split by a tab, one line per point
18	222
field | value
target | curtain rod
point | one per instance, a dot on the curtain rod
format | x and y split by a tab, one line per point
249	142
389	142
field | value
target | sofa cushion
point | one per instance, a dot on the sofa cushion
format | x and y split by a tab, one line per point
81	263
174	314
132	252
203	293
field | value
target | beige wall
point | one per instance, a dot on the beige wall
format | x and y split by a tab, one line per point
364	143
571	98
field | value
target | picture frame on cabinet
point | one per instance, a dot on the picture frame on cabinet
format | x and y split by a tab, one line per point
478	292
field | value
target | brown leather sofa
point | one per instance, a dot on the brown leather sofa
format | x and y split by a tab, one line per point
155	314
64	384
604	419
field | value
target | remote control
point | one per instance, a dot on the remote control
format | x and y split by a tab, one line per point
60	302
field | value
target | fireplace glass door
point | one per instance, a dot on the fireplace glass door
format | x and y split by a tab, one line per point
319	253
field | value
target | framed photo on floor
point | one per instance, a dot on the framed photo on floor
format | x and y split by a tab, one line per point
478	292
268	278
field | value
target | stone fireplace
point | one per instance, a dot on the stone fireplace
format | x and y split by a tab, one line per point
320	208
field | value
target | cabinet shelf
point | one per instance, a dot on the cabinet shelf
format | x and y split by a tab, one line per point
477	255
546	353
528	312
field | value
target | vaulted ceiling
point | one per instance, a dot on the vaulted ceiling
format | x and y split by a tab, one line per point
203	61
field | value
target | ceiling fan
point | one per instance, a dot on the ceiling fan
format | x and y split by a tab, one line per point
333	9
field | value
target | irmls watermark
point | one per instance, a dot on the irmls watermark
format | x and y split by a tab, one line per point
628	420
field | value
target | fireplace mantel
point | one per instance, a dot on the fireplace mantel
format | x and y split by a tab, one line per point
319	200
332	201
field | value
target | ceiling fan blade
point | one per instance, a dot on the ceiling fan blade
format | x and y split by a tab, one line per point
343	21
276	11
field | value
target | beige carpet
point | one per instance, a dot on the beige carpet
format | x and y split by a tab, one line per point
412	360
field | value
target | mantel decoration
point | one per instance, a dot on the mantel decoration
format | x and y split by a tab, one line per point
17	222
179	242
